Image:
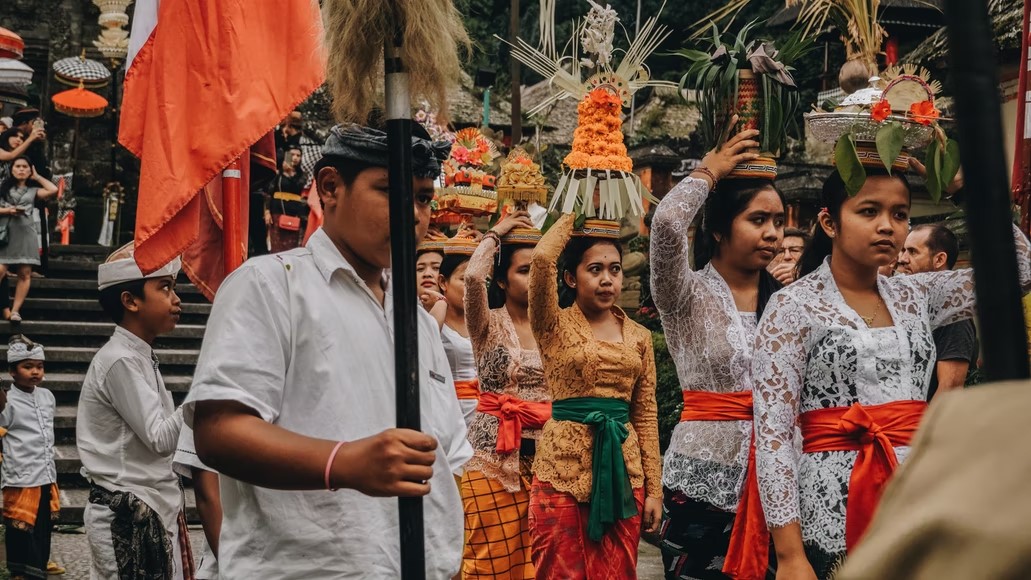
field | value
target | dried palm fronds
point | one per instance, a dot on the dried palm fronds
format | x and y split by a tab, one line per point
861	33
356	32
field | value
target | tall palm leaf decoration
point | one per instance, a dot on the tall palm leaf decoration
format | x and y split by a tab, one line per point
749	76
861	33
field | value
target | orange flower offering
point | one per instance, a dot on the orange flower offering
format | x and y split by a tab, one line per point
521	179
880	110
923	112
598	138
468	176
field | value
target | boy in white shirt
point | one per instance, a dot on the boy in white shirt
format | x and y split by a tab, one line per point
127	430
293	395
28	471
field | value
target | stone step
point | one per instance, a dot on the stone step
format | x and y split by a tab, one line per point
90	251
58	287
72	382
89	310
87	305
35	329
78	354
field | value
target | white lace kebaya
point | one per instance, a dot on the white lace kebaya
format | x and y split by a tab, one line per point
814	352
711	344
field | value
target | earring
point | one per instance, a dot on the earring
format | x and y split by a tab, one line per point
573	285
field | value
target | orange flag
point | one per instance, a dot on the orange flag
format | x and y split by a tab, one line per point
209	80
204	260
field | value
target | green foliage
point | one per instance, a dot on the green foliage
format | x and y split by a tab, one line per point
667	390
713	72
933	164
890	139
847	162
950	162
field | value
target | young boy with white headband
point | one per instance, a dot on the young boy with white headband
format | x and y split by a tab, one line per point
128	427
28	470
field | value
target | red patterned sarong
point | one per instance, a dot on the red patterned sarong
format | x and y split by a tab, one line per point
561	548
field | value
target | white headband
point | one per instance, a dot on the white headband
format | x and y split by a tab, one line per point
19	351
126	270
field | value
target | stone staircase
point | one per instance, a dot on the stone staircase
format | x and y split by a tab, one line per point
63	314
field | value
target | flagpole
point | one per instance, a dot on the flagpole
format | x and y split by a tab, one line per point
231	204
993	252
1021	181
402	259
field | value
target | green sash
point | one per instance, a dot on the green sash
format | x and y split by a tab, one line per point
612	498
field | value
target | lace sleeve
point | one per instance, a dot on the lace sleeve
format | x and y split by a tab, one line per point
778	368
543	275
477	310
644	416
950	294
671	271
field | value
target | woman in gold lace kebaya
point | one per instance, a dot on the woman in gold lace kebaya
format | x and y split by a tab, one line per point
512	408
597	472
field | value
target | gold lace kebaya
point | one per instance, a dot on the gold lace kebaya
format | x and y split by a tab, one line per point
577	365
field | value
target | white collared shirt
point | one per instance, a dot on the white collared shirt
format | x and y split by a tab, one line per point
29	443
128	427
300	338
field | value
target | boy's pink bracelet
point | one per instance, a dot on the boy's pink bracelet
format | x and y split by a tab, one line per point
329	464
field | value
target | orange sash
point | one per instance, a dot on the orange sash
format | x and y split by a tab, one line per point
469	389
21	504
513	414
749	551
872	431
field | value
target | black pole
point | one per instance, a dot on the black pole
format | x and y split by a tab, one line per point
402	259
972	61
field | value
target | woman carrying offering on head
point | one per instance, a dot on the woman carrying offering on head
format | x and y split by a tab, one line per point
847	354
513	405
453	331
597	473
709	316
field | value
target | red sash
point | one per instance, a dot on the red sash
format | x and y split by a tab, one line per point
513	415
469	389
872	431
749	551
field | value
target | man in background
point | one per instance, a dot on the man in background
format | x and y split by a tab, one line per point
784	266
934	248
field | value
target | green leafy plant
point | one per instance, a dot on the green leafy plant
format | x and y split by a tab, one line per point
942	158
713	72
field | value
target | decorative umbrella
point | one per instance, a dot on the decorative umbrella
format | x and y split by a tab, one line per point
80	103
76	70
14	95
15	73
11	45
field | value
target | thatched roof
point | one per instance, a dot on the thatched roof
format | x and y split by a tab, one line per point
1006	16
789	14
466	104
665	115
661	115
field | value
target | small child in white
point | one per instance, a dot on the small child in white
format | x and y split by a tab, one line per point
28	470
